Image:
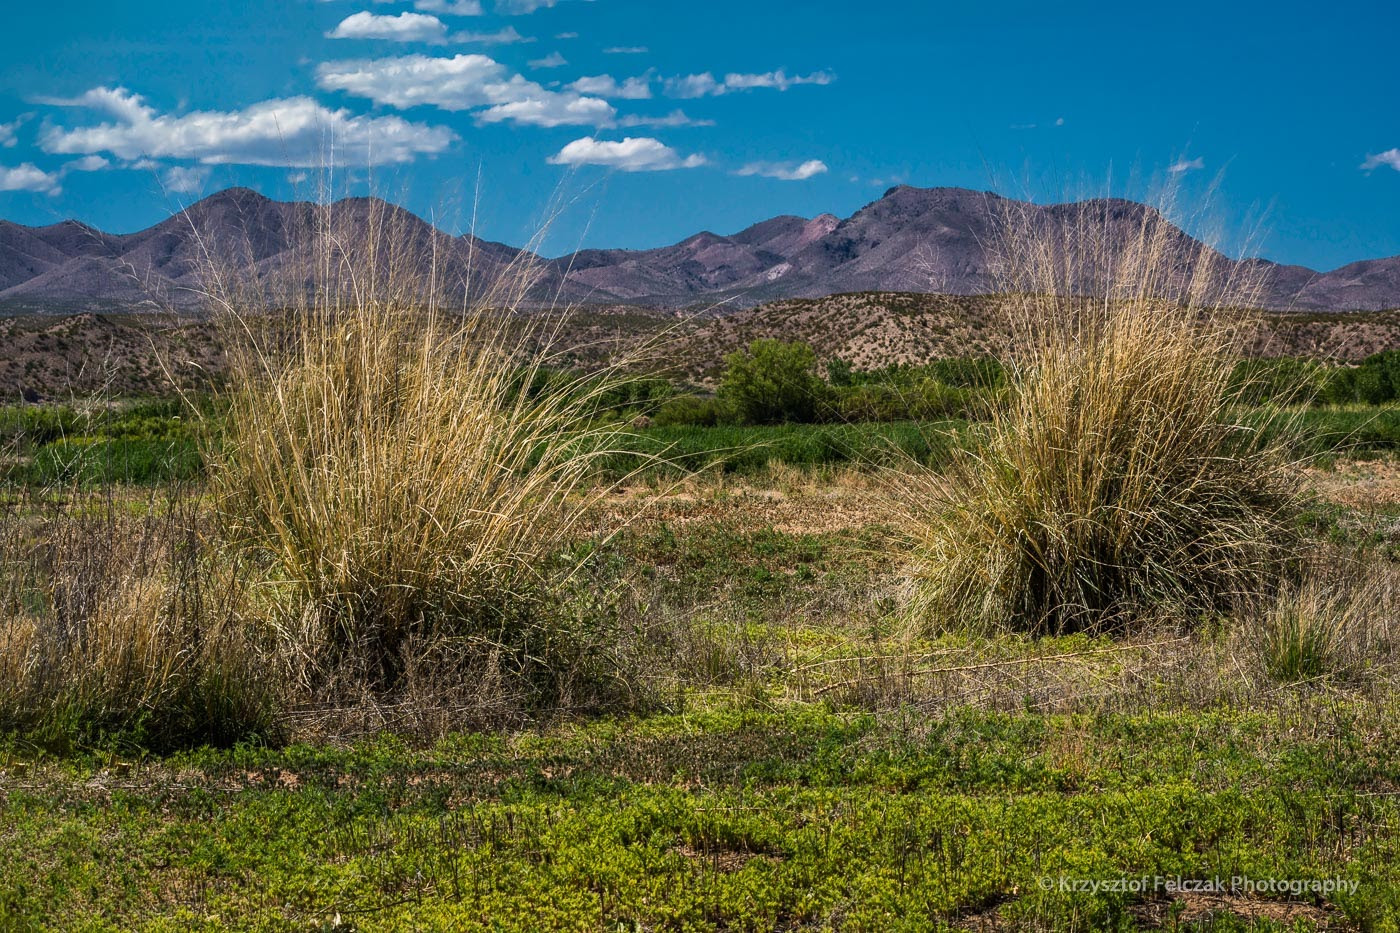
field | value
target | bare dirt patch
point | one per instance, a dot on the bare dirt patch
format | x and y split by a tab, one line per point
1359	484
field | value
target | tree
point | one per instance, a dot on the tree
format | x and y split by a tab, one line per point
773	382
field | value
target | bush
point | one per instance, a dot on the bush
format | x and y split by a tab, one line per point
1115	481
692	410
866	403
935	400
1284	380
773	382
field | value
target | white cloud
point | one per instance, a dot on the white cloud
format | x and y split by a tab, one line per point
551	110
707	85
1390	157
785	171
638	88
673	119
629	155
778	80
1186	165
9	132
450	7
552	60
28	177
294	132
92	163
567	35
691	86
506	36
521	7
463	82
626	50
445	7
406	27
185	180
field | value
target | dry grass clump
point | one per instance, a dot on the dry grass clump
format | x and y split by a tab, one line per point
407	494
119	627
1118	479
1338	622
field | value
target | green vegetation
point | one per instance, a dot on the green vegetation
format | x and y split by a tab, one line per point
145	442
773	382
1373	381
736	819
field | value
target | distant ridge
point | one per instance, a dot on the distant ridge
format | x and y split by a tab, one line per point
929	240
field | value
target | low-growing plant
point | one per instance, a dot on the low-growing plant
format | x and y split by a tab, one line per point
1339	619
692	410
1299	637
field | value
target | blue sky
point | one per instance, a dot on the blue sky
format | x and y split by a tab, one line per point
633	124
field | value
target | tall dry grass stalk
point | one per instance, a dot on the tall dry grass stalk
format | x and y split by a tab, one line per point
386	462
118	626
1118	479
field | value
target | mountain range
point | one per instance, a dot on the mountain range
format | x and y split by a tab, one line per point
932	240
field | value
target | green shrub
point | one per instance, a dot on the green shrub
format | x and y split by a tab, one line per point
866	403
773	382
692	410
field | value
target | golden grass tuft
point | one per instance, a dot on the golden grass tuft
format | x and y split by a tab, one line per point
395	468
1118	479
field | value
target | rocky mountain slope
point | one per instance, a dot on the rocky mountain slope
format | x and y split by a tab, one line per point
928	240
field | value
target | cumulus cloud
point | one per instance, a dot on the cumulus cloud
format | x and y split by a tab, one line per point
1390	157
185	179
293	132
691	86
552	60
406	27
463	82
629	155
707	85
445	7
1182	166
638	88
626	50
785	171
28	177
551	110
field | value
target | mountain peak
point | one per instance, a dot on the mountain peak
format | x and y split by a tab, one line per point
912	239
238	195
